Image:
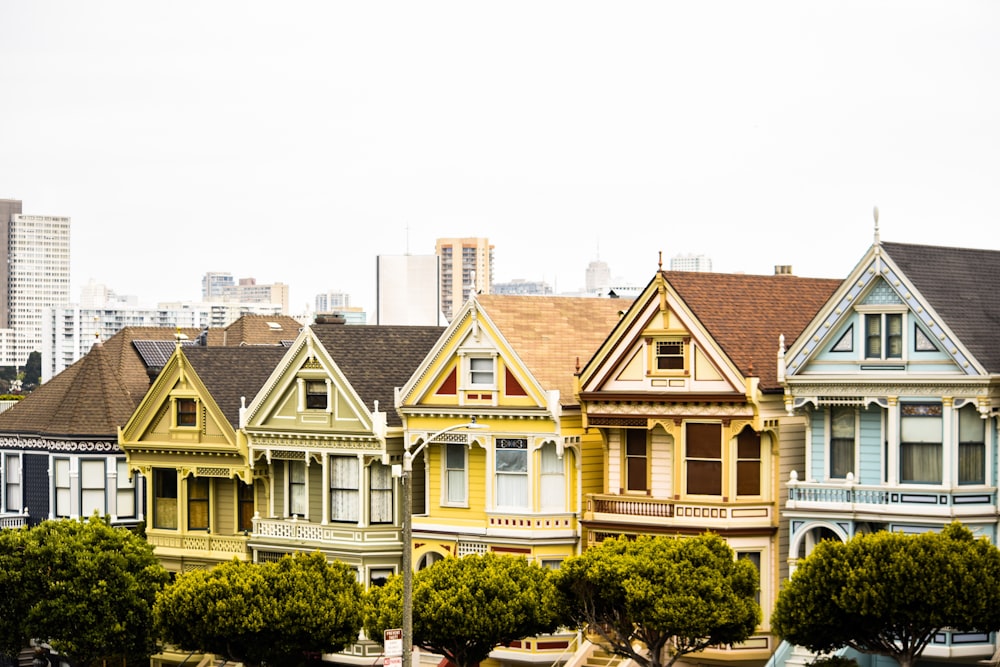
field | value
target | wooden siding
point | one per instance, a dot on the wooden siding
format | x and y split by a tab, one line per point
871	446
661	463
791	447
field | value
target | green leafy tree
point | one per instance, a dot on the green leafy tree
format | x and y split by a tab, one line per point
655	599
263	612
84	587
465	607
889	593
32	370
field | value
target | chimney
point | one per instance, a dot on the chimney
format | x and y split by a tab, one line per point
330	318
782	269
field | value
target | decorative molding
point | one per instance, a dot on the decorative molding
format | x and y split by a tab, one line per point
599	410
43	444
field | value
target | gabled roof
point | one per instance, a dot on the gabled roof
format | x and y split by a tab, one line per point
962	285
376	359
231	374
253	329
92	397
746	314
554	336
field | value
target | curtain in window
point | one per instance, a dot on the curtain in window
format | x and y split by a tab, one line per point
553	480
297	488
126	491
92	487
455	473
512	476
12	470
920	444
841	441
197	503
380	479
344	478
62	487
971	446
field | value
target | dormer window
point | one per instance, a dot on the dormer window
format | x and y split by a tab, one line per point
884	336
187	412
316	395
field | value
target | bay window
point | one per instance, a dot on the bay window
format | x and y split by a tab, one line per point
920	455
842	433
344	492
971	446
512	472
704	458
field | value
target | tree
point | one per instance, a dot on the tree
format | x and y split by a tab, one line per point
465	607
672	595
263	612
32	370
889	593
59	573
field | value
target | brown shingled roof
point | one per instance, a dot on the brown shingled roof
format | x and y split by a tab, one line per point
554	335
253	329
746	314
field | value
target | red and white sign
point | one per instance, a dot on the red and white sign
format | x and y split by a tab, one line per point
393	642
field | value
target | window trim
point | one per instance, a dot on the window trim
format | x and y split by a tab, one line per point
160	476
721	459
290	484
446	500
884	336
628	457
653	344
854	441
313	398
195	412
471	374
518	444
915	406
204	503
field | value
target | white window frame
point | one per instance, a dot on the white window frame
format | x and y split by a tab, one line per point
13	475
91	487
348	489
63	506
298	503
508	480
477	373
830	439
883	313
551	479
450	496
126	491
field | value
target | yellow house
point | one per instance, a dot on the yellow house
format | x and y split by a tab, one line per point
515	485
685	393
185	439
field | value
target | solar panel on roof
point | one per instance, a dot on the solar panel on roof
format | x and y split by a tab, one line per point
155	353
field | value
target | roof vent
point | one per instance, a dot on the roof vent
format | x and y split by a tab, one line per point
782	269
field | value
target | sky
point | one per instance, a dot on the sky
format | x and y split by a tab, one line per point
296	141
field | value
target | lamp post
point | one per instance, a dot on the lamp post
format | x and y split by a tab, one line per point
408	457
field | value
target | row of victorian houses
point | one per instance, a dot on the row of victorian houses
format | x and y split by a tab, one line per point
773	410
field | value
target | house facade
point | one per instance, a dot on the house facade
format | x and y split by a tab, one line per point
515	483
323	436
185	439
685	395
59	453
897	379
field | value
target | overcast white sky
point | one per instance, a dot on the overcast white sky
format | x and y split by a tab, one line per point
295	141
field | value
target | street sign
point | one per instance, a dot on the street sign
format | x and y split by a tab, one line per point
392	661
392	639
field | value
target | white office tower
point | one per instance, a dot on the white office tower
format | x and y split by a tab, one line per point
332	301
37	277
598	279
407	290
699	263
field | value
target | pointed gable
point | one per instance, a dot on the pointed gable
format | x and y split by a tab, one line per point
554	336
960	284
746	314
233	375
375	360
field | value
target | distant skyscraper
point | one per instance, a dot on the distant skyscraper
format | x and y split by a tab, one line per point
222	287
8	209
407	290
466	265
332	301
598	277
214	284
523	287
36	275
699	263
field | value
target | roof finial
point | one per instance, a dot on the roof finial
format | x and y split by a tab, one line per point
660	262
877	240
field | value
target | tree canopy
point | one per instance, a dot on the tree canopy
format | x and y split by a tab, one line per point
465	607
672	595
263	612
60	572
889	593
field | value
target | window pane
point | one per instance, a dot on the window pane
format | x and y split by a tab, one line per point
455	473
971	447
920	463
198	503
244	498
187	414
512	460
873	336
481	370
316	395
381	493
635	460
62	487
842	430
704	441
92	473
164	498
512	472
344	481
297	488
894	336
748	463
705	477
553	483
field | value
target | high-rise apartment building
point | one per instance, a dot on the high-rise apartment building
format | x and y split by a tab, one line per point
466	266
332	301
217	287
35	275
699	263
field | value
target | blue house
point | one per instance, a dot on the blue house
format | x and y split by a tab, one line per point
897	381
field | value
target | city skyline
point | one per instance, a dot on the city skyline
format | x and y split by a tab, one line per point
297	144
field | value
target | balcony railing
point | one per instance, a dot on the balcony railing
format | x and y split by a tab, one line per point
920	500
300	531
643	510
13	519
226	546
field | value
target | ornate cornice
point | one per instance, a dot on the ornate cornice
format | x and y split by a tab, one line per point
45	444
969	389
597	411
